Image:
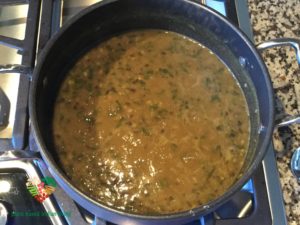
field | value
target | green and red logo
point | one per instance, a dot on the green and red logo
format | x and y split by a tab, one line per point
41	189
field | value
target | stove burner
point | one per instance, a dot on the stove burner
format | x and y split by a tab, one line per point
4	110
240	206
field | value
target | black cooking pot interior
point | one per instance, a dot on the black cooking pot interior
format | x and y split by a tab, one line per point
110	18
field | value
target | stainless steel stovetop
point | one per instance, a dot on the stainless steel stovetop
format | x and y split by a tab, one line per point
259	202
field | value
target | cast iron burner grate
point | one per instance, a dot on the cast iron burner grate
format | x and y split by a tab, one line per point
259	202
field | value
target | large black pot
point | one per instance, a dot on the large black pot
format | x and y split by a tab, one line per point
111	17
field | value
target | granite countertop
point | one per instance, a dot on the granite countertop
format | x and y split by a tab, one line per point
275	19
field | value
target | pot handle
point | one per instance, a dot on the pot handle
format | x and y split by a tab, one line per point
286	121
295	44
15	68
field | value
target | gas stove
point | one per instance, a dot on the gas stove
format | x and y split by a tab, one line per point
25	28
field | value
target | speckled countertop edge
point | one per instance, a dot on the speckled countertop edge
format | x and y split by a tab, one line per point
276	19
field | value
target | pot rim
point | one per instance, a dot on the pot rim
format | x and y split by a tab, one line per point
76	193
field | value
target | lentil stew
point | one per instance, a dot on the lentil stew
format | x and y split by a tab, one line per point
151	122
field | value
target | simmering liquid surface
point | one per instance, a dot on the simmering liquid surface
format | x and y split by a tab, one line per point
151	122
